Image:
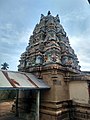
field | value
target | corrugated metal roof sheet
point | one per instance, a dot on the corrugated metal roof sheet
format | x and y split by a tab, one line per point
12	79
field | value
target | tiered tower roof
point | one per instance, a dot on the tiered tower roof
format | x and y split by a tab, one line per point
48	45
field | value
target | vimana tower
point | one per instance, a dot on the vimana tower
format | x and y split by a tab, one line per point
48	47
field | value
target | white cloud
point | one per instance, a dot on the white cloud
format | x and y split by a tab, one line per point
12	44
81	45
10	35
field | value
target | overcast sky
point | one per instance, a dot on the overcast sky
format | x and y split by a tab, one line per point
19	17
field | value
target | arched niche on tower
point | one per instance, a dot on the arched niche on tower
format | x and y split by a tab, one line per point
39	59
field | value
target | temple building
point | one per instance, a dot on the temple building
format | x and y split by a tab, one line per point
50	57
61	90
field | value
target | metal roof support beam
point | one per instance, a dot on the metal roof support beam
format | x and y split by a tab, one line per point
17	93
37	104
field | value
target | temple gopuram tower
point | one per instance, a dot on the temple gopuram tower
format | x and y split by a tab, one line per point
49	56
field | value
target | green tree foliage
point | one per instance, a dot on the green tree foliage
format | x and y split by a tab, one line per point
5	66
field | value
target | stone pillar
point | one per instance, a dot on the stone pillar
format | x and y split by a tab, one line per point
37	104
53	102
